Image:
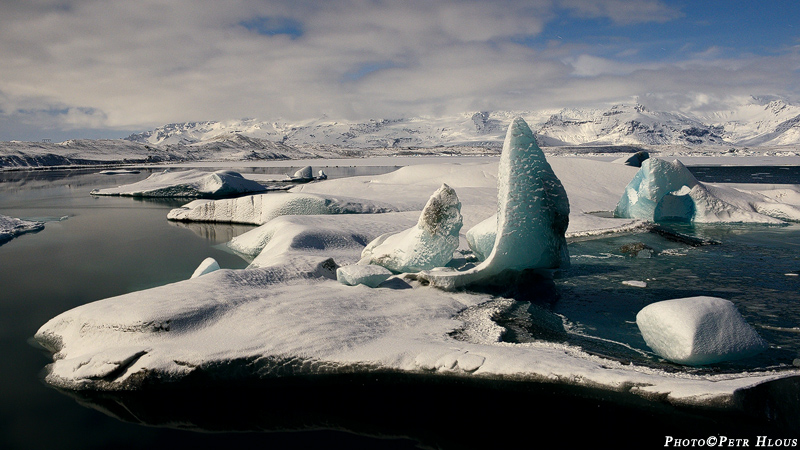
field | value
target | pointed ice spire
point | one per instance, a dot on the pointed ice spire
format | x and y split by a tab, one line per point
532	215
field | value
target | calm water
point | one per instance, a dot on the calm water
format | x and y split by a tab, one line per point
97	247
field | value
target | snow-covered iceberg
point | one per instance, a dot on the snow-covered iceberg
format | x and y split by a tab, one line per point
667	191
188	183
11	227
429	244
297	320
532	215
698	330
338	236
260	209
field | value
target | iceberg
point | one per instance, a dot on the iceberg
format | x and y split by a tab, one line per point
340	236
261	208
532	215
429	244
698	331
188	183
666	191
11	227
369	275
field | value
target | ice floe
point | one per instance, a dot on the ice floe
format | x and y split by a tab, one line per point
189	183
11	227
260	209
366	274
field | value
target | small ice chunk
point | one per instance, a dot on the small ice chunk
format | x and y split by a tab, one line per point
306	173
429	244
698	330
635	283
368	275
207	266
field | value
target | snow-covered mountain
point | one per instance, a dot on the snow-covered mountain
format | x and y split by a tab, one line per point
474	129
757	121
765	122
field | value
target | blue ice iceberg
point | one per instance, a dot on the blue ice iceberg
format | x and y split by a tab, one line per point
429	244
532	215
659	191
666	191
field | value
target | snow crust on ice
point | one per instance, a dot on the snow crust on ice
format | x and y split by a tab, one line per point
667	191
532	215
698	330
341	236
295	319
207	266
367	274
11	227
260	209
189	183
430	243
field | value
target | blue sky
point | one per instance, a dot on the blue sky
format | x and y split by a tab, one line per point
105	68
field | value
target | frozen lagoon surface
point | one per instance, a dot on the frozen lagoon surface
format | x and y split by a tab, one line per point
588	319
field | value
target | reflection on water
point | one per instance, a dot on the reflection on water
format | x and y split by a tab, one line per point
416	410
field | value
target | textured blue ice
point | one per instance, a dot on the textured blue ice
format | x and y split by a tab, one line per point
659	191
532	215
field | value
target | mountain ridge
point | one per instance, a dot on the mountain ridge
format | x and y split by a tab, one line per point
759	121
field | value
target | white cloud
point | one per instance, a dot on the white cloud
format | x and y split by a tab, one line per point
138	64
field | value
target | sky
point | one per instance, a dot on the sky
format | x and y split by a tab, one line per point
107	68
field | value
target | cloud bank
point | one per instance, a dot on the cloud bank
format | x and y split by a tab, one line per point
131	65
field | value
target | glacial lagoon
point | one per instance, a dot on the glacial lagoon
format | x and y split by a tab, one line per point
93	248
